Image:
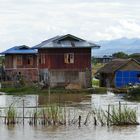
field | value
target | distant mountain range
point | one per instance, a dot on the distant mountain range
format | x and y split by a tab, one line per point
108	47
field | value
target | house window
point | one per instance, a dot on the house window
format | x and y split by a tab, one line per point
19	60
30	60
69	58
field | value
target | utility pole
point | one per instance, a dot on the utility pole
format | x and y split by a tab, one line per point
49	92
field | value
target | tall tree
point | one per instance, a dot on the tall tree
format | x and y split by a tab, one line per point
120	55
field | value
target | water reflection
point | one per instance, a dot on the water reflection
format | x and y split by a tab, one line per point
33	100
123	129
66	132
63	99
7	100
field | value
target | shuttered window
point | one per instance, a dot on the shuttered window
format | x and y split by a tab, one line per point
69	58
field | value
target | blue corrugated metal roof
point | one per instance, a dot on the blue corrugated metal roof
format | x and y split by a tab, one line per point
20	50
63	42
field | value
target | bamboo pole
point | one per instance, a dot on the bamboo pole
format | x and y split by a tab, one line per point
108	115
23	111
120	111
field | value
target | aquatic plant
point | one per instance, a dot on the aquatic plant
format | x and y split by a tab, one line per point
11	115
114	115
54	114
123	115
49	115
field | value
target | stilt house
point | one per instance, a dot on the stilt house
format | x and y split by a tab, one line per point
21	60
65	60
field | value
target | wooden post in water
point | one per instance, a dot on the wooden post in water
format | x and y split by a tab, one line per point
35	120
49	84
108	116
95	121
69	116
120	112
35	114
65	114
79	121
23	111
36	103
8	117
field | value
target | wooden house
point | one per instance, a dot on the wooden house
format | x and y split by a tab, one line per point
119	73
102	59
65	60
21	60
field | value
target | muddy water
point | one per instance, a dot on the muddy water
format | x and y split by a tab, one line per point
73	132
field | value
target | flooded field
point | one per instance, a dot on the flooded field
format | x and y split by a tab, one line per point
75	101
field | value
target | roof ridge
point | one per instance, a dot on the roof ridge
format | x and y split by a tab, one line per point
16	49
115	65
50	39
63	36
54	43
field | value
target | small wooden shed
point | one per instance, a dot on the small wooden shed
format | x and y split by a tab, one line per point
120	73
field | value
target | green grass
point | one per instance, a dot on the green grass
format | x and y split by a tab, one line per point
36	90
100	90
21	90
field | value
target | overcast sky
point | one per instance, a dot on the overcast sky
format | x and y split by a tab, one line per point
32	21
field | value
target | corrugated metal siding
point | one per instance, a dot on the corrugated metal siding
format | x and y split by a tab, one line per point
54	58
123	78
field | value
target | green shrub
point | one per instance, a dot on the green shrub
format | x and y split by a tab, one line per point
133	94
95	82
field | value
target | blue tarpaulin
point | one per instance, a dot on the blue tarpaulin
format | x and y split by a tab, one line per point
125	78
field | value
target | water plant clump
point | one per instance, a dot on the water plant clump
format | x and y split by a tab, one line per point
114	115
50	115
11	115
57	115
123	115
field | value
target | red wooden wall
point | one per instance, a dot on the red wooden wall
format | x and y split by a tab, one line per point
9	61
54	58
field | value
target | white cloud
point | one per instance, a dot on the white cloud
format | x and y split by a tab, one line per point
31	21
